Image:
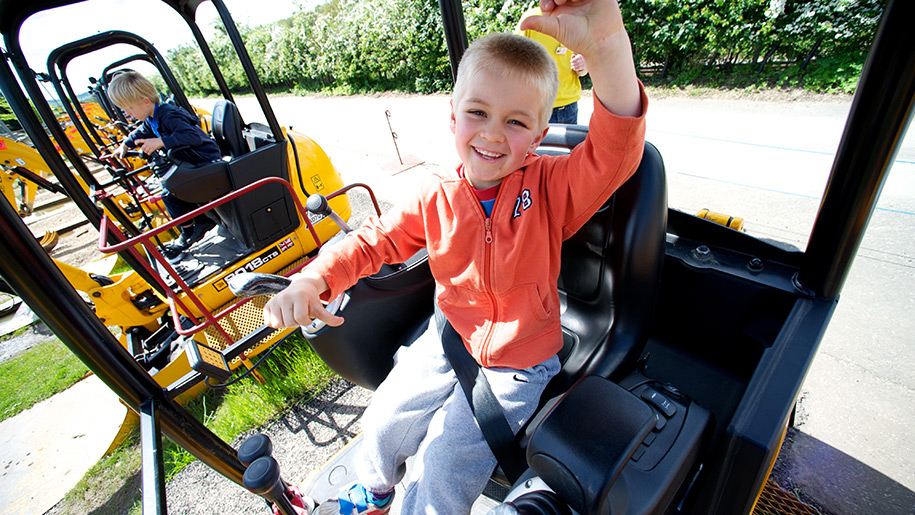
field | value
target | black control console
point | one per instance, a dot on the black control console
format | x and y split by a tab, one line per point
631	448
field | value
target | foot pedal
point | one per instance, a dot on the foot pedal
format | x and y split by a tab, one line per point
207	360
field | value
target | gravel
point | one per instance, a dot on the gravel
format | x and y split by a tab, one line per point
311	432
33	335
303	439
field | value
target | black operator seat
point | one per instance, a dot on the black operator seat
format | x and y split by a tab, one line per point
205	182
257	218
609	282
611	271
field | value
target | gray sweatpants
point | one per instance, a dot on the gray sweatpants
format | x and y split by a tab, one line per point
421	409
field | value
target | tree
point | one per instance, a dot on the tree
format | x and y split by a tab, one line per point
352	46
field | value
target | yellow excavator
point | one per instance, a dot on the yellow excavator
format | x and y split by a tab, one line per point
251	195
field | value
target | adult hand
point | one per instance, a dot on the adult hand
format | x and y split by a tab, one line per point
579	65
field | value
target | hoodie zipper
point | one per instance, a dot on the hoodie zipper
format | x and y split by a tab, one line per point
487	274
487	281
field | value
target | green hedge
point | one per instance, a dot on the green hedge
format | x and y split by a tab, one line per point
818	44
354	46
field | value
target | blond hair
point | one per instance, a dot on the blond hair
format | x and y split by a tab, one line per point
130	88
515	57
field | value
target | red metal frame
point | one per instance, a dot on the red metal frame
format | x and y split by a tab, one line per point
177	305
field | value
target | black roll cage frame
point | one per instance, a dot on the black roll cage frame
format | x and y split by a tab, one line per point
60	58
881	110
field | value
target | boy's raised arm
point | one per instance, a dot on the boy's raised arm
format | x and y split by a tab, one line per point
594	29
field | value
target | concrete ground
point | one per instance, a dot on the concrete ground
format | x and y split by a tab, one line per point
766	161
56	441
46	450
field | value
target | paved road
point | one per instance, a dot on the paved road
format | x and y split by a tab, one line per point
42	459
767	162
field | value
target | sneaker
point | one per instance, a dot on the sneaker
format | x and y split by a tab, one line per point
357	500
202	225
174	249
173	252
302	504
182	242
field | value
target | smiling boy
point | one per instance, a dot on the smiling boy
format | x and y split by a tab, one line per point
493	230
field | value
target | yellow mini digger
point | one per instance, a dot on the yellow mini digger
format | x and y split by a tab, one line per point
662	405
251	195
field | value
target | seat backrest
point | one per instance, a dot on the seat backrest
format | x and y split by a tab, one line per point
611	271
227	129
609	281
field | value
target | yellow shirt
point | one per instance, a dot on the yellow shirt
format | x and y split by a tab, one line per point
569	83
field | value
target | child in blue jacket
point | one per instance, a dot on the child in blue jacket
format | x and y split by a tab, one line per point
165	126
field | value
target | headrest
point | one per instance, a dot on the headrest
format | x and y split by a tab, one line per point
227	129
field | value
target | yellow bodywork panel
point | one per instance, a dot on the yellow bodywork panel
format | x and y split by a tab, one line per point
114	303
13	155
205	118
8	188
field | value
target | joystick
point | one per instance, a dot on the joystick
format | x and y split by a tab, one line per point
262	477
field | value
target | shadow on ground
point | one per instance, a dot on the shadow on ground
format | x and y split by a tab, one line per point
835	482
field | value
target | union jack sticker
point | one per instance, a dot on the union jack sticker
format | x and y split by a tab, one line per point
286	244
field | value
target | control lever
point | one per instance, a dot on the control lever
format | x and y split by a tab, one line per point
254	447
252	284
262	477
318	205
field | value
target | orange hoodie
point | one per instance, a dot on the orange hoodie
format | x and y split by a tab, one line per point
496	278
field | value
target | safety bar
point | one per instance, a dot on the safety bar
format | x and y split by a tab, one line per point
177	306
121	174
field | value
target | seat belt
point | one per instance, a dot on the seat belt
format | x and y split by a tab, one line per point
486	409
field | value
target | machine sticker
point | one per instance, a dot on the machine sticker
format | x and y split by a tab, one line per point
20	161
316	180
256	263
286	244
315	218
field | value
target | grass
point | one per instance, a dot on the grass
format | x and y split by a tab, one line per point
293	374
36	375
111	487
825	75
17	332
120	266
